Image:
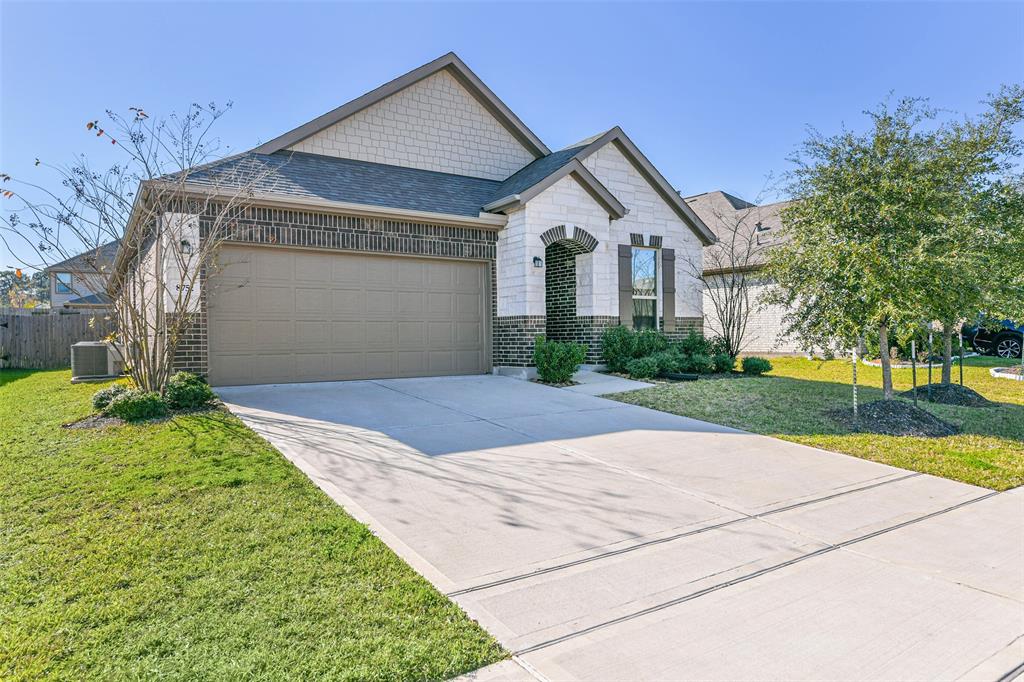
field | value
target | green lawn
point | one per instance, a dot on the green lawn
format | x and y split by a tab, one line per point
789	404
191	549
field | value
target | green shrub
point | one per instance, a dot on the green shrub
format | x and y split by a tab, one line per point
186	391
695	344
618	346
134	406
723	362
556	361
756	366
668	361
718	346
649	342
101	398
699	363
642	368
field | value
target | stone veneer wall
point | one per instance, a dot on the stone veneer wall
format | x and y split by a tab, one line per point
335	232
435	124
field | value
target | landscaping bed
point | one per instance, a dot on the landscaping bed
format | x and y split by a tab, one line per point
791	402
189	548
893	418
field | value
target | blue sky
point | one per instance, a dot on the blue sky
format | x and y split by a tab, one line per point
717	94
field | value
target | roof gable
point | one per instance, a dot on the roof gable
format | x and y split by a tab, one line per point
651	174
408	106
545	172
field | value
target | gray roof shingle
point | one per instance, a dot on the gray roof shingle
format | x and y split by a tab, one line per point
300	174
534	172
98	259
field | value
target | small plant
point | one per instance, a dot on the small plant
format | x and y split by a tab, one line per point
133	406
695	344
649	342
557	361
668	361
700	364
643	368
756	366
618	346
102	398
723	362
186	391
719	346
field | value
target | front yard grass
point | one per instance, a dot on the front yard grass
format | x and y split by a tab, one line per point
191	549
790	402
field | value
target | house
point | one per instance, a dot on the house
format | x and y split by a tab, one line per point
423	229
745	233
80	282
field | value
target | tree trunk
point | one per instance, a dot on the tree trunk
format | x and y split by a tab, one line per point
883	352
947	352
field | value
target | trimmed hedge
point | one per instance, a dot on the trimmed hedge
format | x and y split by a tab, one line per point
557	361
756	366
103	397
133	406
643	368
186	391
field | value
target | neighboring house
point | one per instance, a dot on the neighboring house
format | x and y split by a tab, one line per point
80	282
753	229
422	229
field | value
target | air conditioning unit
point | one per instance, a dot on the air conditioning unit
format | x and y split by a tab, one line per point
91	360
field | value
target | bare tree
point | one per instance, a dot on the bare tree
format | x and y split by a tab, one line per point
731	267
169	205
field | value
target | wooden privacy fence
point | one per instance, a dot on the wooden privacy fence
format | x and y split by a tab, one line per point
44	341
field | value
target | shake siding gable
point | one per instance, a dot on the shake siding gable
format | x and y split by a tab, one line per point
434	124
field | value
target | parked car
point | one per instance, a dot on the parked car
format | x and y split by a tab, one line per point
1004	340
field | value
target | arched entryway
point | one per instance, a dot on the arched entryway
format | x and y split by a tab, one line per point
562	244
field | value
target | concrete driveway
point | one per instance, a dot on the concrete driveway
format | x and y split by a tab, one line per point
598	540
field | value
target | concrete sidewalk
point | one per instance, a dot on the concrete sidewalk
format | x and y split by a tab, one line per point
598	540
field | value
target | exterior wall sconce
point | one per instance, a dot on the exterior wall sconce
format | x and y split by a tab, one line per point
186	247
538	262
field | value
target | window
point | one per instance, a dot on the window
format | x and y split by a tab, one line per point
645	288
63	282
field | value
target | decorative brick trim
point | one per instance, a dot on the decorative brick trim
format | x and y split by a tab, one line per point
581	241
636	239
654	240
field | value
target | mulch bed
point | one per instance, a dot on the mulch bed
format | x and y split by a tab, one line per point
94	421
1018	370
894	418
950	394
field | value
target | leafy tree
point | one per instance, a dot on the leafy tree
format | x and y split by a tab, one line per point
973	231
22	290
852	258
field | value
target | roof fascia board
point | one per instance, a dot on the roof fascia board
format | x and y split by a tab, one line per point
450	61
617	136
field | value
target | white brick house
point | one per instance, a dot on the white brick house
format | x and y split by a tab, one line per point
423	229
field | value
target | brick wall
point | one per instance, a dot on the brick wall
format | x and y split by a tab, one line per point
513	339
764	326
560	292
434	124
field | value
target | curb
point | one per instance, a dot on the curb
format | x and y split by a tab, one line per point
994	371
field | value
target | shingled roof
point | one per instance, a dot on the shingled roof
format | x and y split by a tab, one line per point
302	175
93	260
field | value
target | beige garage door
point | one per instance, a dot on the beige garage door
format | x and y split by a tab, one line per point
280	315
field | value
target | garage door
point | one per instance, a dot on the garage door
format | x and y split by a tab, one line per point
280	316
